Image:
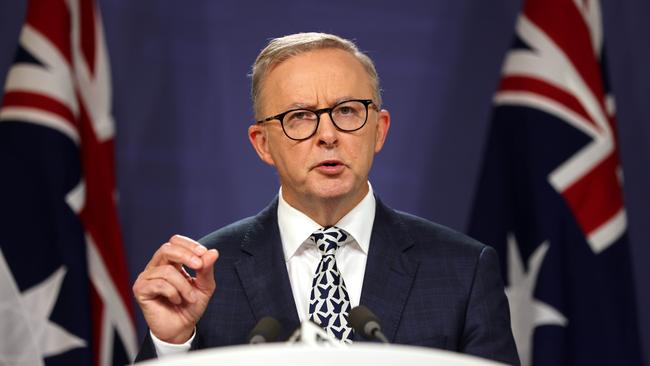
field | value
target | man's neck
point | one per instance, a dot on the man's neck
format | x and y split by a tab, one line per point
326	212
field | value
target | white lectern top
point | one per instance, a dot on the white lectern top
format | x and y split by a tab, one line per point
280	354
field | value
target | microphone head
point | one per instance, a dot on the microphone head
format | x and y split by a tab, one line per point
266	330
364	322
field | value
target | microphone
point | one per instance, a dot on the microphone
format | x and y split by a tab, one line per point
364	322
266	330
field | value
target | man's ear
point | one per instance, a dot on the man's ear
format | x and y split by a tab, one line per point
257	134
383	125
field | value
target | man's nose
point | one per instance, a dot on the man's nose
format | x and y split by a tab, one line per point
327	133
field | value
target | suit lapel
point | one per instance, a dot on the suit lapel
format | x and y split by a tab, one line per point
263	272
389	271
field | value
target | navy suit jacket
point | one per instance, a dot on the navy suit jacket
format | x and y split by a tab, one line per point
429	285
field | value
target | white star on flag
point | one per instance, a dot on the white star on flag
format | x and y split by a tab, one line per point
28	334
527	312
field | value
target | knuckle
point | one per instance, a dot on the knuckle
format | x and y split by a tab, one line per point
162	250
165	272
168	251
159	287
138	284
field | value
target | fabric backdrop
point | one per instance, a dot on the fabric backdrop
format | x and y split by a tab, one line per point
181	104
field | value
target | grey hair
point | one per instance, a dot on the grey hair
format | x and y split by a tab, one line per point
280	49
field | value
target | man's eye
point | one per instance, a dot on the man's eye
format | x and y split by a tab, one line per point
301	115
346	110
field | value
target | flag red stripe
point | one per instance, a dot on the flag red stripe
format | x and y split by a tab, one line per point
52	19
596	197
39	101
99	215
540	87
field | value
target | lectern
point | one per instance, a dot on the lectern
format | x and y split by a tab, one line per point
283	354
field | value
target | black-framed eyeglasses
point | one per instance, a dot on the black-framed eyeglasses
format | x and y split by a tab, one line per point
301	124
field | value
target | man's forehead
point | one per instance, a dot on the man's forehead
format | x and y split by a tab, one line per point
315	77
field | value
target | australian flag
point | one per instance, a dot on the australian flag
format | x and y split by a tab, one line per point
64	296
550	194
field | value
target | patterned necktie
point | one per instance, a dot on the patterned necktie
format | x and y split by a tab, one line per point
329	303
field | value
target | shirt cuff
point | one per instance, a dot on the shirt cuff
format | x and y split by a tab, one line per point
165	349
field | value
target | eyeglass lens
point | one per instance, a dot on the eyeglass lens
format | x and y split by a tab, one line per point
347	116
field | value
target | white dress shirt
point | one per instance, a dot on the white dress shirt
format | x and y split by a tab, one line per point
302	256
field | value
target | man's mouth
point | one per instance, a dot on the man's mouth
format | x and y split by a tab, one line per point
329	163
330	167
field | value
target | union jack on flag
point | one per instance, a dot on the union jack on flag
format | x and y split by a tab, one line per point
64	296
550	194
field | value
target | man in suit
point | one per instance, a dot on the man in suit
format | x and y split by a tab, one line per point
326	243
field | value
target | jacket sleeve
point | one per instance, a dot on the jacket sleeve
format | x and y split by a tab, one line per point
147	350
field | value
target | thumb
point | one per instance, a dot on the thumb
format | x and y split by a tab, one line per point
204	279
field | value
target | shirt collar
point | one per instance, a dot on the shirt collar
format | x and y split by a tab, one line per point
296	227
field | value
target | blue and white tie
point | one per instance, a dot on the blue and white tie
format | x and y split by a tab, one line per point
329	303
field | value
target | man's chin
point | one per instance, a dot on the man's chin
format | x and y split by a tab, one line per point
330	195
336	191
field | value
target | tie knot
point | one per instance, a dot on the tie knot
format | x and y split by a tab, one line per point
327	240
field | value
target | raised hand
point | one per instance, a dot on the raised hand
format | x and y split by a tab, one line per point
171	300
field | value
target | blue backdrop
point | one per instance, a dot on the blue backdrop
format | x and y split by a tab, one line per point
181	103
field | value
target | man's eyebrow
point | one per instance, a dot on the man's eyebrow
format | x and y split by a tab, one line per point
343	99
299	105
